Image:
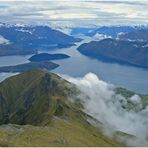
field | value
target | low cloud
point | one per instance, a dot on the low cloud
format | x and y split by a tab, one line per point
4	75
109	108
99	37
3	40
75	12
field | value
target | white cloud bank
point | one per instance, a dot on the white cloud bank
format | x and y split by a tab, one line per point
3	40
4	75
75	12
107	107
99	37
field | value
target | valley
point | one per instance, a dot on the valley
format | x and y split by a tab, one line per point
74	73
48	109
132	78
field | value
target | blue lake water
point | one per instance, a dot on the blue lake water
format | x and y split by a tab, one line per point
78	65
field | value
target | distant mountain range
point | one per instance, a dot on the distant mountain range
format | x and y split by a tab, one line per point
28	39
111	50
112	31
140	35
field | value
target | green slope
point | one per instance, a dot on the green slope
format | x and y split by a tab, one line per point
38	106
32	96
127	94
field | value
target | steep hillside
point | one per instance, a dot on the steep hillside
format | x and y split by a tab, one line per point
111	50
40	104
31	97
28	39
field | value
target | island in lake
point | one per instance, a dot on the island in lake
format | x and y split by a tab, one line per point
46	57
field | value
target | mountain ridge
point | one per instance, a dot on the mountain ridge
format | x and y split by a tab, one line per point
117	51
37	104
25	40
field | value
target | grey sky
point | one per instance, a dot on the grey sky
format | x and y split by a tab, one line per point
75	12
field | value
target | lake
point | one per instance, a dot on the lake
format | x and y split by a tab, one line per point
78	65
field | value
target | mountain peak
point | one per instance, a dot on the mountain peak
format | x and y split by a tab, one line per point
31	97
43	99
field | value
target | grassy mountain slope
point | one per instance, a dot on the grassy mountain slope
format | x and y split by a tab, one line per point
59	132
127	94
28	97
38	106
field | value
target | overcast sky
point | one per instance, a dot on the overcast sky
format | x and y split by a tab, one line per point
75	12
